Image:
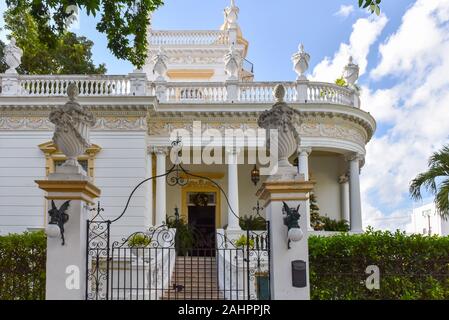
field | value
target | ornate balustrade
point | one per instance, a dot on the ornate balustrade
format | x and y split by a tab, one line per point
56	85
200	37
177	92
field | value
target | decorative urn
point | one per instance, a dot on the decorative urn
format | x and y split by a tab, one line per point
160	66
285	120
13	56
351	73
72	128
233	63
301	61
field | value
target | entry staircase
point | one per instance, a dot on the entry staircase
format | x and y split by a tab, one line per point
194	278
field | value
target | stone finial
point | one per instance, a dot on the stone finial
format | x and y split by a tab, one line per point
231	15
72	128
72	91
301	61
279	93
13	56
233	63
160	65
351	73
286	121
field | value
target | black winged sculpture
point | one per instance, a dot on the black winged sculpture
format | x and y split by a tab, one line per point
59	217
291	218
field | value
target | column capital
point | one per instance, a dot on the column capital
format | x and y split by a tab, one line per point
307	150
158	150
233	150
355	156
343	179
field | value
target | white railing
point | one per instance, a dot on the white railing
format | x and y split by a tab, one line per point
178	92
329	93
208	92
259	92
200	37
88	85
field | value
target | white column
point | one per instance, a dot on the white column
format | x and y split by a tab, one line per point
161	192
344	193
354	193
233	188
303	168
149	192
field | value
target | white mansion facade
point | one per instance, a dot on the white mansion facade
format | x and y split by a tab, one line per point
192	78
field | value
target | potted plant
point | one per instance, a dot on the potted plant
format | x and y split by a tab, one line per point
242	243
137	241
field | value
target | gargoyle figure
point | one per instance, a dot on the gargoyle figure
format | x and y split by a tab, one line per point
59	217
291	218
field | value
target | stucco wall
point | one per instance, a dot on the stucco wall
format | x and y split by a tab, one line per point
22	203
325	170
120	166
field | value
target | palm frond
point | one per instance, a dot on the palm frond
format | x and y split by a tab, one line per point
442	200
426	180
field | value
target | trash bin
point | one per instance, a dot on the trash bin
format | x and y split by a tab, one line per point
299	275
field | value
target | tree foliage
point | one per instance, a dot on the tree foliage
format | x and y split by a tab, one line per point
124	22
435	180
372	5
69	54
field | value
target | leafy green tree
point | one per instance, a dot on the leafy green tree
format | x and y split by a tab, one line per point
372	5
3	65
435	180
124	22
69	54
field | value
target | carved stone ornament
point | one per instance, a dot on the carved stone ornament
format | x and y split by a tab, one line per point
160	65
231	14
351	73
286	120
72	127
233	63
301	62
13	56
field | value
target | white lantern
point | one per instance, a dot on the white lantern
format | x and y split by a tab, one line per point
295	234
52	231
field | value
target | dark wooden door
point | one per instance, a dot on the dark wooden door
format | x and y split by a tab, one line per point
202	221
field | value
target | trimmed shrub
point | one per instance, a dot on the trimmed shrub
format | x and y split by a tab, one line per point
22	266
411	267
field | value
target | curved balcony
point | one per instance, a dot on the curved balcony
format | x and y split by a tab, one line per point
177	92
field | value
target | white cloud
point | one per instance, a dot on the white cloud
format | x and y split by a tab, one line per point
415	109
365	32
345	11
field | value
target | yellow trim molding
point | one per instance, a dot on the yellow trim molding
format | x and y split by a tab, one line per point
285	190
69	190
52	154
204	74
201	185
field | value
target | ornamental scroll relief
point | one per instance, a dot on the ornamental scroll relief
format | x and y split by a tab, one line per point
44	124
307	129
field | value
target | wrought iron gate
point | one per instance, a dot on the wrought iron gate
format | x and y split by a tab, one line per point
176	260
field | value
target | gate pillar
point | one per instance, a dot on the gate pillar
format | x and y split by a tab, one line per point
66	245
69	190
285	254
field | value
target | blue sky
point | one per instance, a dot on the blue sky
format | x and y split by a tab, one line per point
403	56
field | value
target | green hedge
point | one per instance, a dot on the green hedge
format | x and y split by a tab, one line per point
22	266
411	267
